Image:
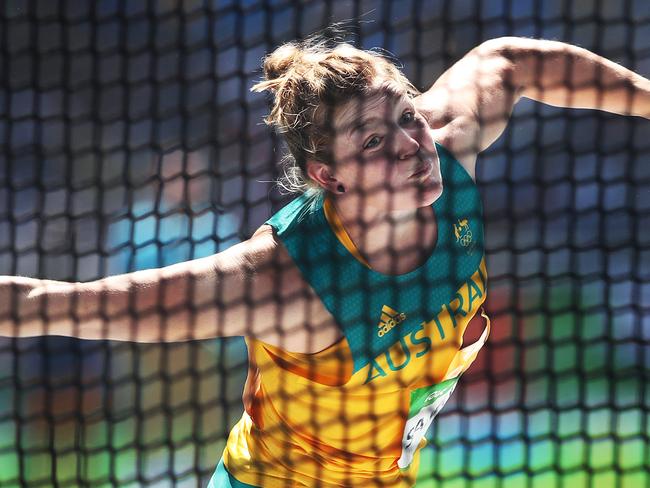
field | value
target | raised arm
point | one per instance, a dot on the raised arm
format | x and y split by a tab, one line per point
473	100
565	75
198	299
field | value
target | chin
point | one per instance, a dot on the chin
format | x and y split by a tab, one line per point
431	195
427	195
420	199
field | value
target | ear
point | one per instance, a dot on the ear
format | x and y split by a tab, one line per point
321	173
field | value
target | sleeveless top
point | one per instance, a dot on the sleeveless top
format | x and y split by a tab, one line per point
355	414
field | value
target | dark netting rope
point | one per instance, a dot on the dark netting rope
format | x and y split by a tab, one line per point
130	141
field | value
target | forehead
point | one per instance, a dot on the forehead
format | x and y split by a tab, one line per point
376	104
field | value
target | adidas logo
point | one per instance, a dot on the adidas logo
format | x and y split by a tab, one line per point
389	319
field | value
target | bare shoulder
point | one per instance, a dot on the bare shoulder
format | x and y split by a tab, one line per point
470	104
286	311
458	92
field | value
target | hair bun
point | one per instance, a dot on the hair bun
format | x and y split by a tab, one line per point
281	60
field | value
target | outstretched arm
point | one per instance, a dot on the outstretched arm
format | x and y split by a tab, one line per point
198	299
473	100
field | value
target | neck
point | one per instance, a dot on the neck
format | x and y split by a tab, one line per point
376	232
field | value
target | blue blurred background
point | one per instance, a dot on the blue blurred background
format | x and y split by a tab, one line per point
130	140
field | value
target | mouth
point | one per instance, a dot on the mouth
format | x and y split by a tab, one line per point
421	171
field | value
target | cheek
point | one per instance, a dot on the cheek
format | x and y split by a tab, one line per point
424	134
426	139
350	170
379	170
366	170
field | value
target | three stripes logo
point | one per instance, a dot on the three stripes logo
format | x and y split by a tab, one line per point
389	319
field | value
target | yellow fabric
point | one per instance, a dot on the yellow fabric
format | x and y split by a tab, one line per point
308	418
337	226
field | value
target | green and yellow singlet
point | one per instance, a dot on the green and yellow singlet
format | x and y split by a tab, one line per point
356	413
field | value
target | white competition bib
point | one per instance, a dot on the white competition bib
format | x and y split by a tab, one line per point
425	404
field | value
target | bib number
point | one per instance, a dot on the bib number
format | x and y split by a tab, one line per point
425	404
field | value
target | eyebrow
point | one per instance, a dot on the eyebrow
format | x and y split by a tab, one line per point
352	127
361	124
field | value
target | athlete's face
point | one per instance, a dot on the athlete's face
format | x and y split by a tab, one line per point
380	143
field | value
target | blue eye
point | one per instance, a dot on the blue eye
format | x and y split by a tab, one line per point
373	142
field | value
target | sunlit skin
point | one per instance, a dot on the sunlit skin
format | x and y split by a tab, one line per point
379	143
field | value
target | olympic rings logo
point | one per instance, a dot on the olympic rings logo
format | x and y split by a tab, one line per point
466	238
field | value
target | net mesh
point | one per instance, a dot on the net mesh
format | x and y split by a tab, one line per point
130	141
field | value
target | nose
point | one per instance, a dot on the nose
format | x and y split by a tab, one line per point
406	146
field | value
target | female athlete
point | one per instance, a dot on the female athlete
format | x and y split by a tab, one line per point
357	298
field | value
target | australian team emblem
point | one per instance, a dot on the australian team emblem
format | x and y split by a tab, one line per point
464	235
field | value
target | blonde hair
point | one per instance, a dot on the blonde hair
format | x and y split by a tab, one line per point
308	79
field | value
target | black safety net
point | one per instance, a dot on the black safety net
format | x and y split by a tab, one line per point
131	141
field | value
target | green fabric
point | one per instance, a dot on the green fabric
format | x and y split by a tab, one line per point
223	479
355	295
